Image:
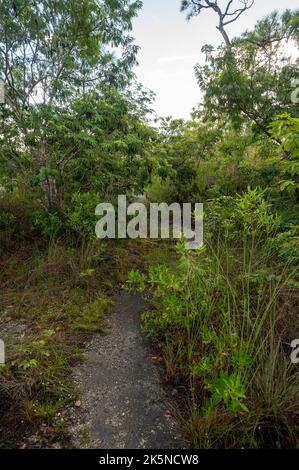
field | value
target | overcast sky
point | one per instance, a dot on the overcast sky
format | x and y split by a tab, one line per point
171	46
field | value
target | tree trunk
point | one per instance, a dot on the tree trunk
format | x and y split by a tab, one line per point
224	34
49	184
50	189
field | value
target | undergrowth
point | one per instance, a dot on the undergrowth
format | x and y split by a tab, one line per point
52	298
225	317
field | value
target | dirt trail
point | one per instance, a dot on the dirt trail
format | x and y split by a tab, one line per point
123	399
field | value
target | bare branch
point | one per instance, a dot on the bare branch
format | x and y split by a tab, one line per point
226	16
237	13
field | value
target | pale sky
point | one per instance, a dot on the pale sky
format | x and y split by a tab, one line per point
171	46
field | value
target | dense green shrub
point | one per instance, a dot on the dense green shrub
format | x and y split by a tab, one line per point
248	214
16	216
80	217
49	223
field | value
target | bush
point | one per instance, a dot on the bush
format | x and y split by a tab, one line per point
76	219
160	190
16	216
242	216
80	214
49	223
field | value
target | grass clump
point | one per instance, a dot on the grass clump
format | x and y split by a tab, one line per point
89	317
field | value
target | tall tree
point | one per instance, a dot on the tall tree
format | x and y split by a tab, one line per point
50	52
251	81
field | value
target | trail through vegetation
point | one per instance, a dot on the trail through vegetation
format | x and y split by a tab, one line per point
124	404
77	130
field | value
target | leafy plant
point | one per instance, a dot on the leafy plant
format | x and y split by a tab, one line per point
229	390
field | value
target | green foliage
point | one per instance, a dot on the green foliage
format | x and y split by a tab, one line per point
286	244
216	314
80	214
136	281
254	215
180	150
39	362
246	81
48	223
52	56
229	390
16	219
246	215
286	129
75	132
160	190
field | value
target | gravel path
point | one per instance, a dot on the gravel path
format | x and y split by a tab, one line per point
124	403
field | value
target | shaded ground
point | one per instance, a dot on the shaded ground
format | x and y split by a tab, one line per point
123	401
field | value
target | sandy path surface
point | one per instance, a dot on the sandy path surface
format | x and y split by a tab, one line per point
123	399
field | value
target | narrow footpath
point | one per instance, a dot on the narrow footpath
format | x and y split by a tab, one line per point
123	400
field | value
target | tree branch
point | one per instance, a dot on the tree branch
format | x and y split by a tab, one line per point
226	16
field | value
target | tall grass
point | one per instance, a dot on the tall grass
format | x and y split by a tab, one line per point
224	317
